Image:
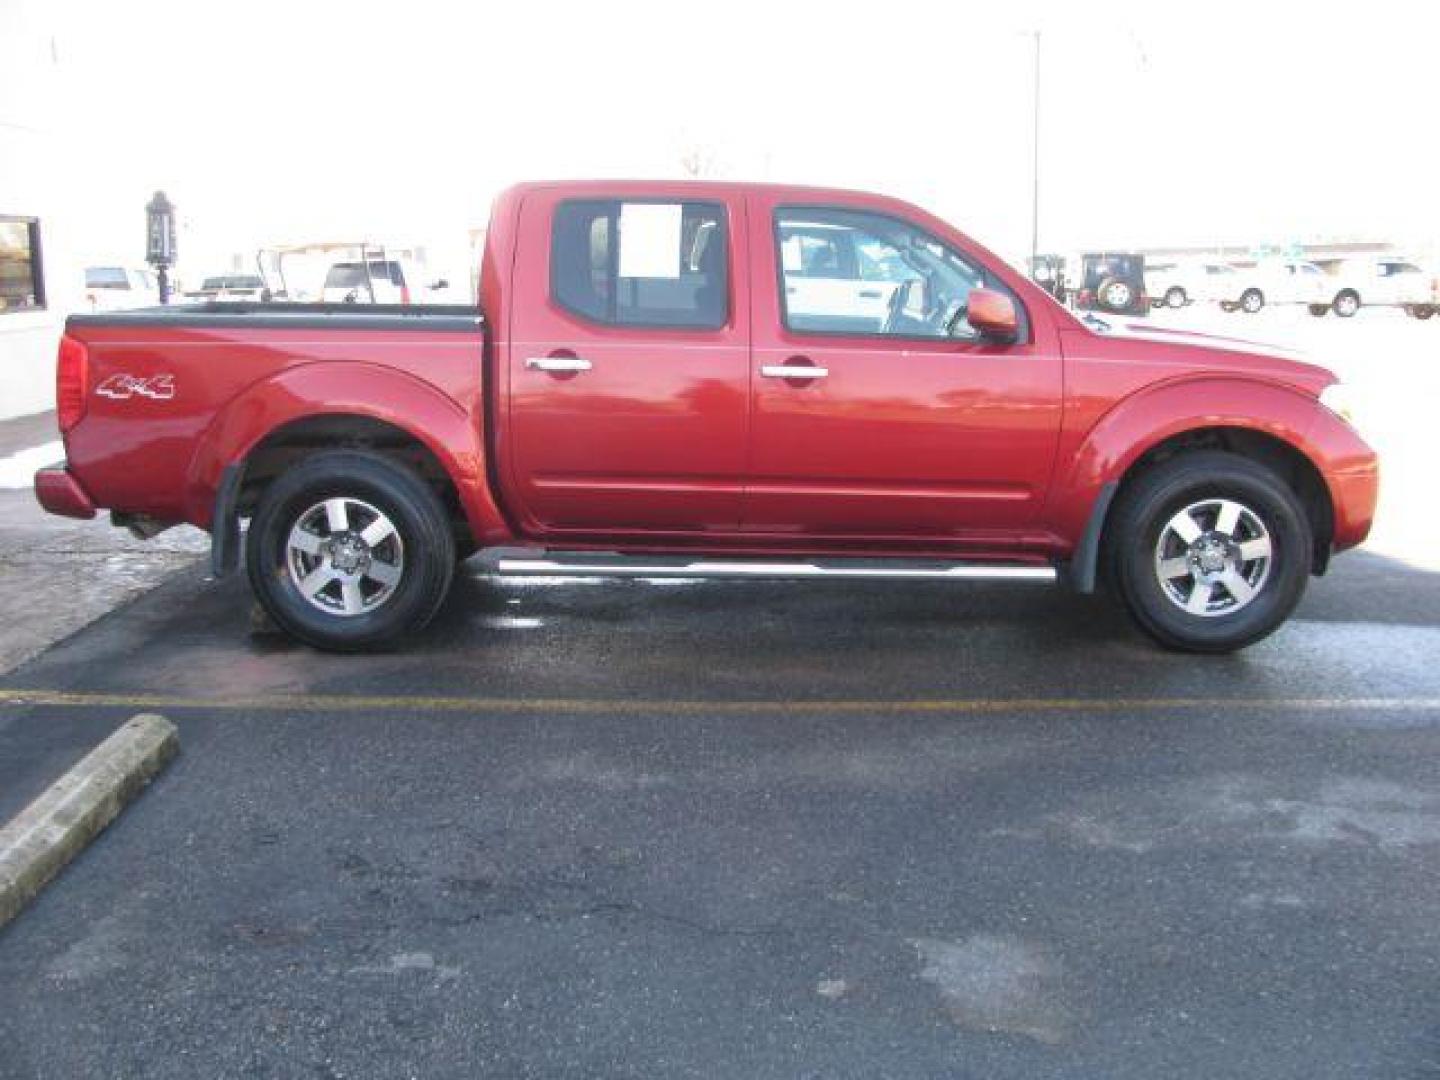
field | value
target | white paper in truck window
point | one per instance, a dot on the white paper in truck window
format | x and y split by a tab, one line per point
650	240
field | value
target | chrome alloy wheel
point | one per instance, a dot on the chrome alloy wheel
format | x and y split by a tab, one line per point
344	556
1213	557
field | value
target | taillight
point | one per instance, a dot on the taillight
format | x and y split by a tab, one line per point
404	294
72	382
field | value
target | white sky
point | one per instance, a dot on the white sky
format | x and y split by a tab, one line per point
1172	123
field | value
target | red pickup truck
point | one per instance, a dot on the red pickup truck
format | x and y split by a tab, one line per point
714	379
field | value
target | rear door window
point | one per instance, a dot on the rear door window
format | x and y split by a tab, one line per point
641	263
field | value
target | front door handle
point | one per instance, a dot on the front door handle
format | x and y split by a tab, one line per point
558	363
793	371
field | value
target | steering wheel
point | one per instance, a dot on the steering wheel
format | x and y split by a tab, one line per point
954	315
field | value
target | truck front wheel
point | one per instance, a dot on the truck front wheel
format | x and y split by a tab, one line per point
1210	550
349	550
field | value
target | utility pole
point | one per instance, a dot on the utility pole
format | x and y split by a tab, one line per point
1035	165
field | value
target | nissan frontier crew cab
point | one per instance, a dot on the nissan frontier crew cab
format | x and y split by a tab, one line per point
714	379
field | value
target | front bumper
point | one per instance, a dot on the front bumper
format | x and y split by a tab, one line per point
60	493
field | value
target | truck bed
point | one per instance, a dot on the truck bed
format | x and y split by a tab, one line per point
282	315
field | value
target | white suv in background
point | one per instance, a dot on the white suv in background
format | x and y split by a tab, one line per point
1381	282
389	281
116	288
1276	282
1176	284
1173	285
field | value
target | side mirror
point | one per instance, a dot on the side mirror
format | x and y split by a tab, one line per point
993	315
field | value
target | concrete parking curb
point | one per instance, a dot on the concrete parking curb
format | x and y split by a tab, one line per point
53	829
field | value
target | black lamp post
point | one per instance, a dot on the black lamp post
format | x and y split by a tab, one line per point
160	240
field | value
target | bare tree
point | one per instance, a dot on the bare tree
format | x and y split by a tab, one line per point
698	161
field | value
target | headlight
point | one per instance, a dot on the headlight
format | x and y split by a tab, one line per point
1338	399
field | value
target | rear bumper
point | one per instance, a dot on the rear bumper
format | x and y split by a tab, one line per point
60	493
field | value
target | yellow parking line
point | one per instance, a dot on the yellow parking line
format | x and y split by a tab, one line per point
423	703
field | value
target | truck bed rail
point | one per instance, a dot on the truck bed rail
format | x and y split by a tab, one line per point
283	315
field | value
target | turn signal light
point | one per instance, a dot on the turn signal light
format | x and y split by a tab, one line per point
72	382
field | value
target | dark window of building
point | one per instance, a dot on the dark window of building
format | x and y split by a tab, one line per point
22	283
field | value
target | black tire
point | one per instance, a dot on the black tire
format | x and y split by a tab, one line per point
425	538
1319	310
1175	297
1228	305
1251	301
1346	303
1422	311
1142	515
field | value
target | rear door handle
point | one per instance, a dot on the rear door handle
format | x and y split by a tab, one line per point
793	371
558	363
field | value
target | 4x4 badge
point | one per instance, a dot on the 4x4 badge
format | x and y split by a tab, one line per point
120	387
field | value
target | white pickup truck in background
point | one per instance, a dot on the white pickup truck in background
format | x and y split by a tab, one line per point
1275	282
1175	285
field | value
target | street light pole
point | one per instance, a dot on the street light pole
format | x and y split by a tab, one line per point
160	240
1035	165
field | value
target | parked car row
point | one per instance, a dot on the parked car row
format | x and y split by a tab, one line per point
1125	283
346	274
1380	282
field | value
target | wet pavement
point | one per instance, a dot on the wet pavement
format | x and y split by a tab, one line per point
59	574
744	829
747	829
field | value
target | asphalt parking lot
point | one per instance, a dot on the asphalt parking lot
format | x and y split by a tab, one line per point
747	829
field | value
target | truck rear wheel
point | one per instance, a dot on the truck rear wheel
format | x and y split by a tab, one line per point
1252	300
1210	551
1346	303
349	550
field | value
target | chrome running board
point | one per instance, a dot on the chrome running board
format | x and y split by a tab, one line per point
612	566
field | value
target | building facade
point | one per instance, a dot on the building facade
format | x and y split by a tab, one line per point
39	281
